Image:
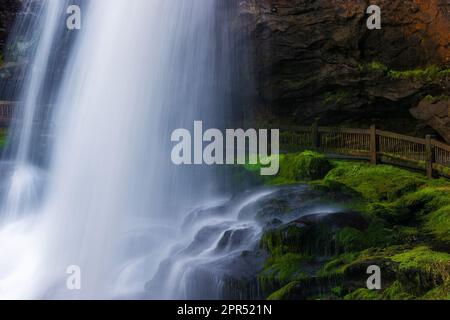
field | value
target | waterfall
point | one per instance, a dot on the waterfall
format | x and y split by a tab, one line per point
112	200
40	30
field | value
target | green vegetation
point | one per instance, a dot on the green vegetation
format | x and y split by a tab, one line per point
376	235
3	137
282	269
374	66
305	166
285	292
427	74
407	234
433	99
335	98
376	183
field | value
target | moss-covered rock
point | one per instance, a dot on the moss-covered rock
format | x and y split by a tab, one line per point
286	292
396	291
438	224
318	234
376	183
422	269
376	235
305	166
282	269
391	217
363	294
3	136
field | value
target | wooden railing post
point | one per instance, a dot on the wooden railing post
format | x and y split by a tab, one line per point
429	156
373	145
315	135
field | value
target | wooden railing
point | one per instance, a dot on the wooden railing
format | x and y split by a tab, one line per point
7	110
371	144
13	111
374	145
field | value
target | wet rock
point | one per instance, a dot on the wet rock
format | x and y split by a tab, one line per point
289	203
204	238
436	113
335	221
313	234
234	239
308	56
200	214
9	10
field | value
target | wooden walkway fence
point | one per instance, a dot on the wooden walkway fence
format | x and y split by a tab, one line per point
7	110
13	111
374	145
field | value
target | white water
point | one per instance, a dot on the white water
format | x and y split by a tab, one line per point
112	200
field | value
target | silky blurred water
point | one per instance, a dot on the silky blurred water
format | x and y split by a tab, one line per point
104	194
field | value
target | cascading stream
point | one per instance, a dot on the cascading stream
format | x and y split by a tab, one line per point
113	199
24	178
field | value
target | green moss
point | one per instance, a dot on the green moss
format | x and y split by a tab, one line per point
406	235
438	224
389	212
427	74
335	98
373	66
281	270
439	293
433	99
427	199
307	165
3	136
421	257
430	205
337	291
407	214
376	183
285	293
337	265
396	291
351	240
311	240
422	269
282	240
363	294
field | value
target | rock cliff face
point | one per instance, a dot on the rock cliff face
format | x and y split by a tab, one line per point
8	12
317	58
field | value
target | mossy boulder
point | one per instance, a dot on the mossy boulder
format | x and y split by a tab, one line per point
280	270
287	292
314	234
390	217
305	166
376	235
363	294
422	269
376	183
407	273
438	224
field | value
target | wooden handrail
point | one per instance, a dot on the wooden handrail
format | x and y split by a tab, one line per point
440	145
378	146
400	137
